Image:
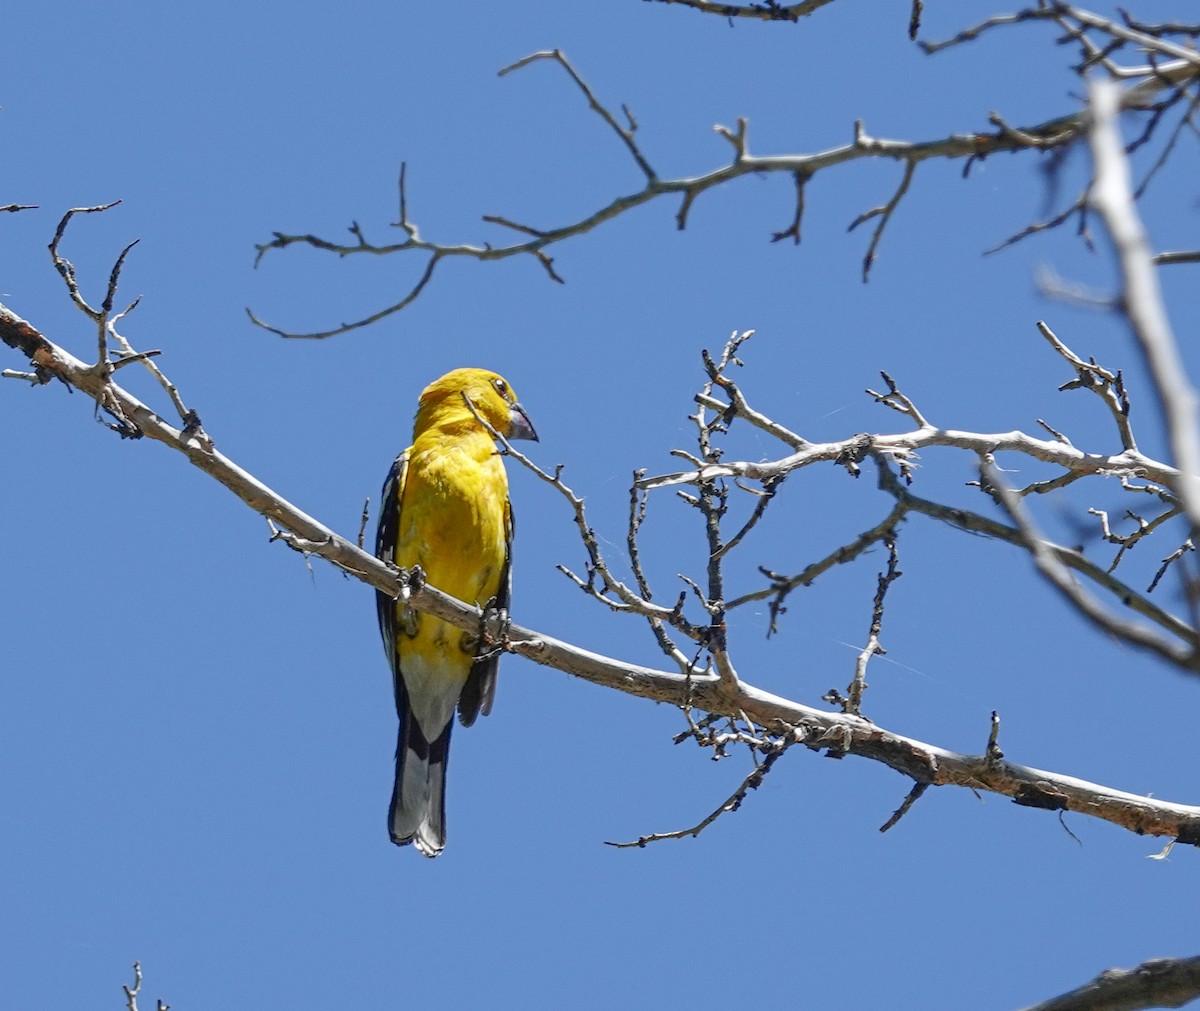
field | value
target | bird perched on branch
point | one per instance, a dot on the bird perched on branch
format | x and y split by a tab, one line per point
445	509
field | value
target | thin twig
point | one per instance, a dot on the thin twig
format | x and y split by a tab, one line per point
884	214
873	647
1109	386
731	803
624	133
915	794
1056	573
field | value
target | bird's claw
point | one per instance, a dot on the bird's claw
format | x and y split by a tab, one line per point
494	624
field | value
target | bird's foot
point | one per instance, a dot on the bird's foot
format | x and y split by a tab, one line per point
414	579
494	624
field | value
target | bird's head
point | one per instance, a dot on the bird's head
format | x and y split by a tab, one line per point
444	403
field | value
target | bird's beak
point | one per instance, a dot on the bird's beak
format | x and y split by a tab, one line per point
519	425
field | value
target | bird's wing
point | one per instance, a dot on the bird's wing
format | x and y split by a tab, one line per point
480	689
385	549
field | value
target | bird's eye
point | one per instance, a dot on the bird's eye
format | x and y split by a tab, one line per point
501	386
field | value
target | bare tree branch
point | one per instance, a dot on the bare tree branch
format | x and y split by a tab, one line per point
1052	10
1182	256
1142	297
915	794
903	445
1057	133
1180	645
1056	573
1069	558
1109	386
768	10
873	647
772	749
1161	982
820	730
625	133
132	992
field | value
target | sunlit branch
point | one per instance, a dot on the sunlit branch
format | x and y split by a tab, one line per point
1050	10
1054	133
903	444
1057	574
1142	296
873	647
612	592
1126	541
820	730
1068	558
1109	386
133	992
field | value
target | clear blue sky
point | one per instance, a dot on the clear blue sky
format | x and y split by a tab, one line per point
196	734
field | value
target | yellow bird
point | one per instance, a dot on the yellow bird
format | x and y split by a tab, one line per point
445	508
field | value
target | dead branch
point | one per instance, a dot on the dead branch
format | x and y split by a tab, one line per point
768	10
132	992
710	692
1160	982
1141	298
773	750
1055	134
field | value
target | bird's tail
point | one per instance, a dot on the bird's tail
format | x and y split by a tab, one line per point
418	811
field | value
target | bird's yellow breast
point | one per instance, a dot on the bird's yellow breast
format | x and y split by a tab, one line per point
454	525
